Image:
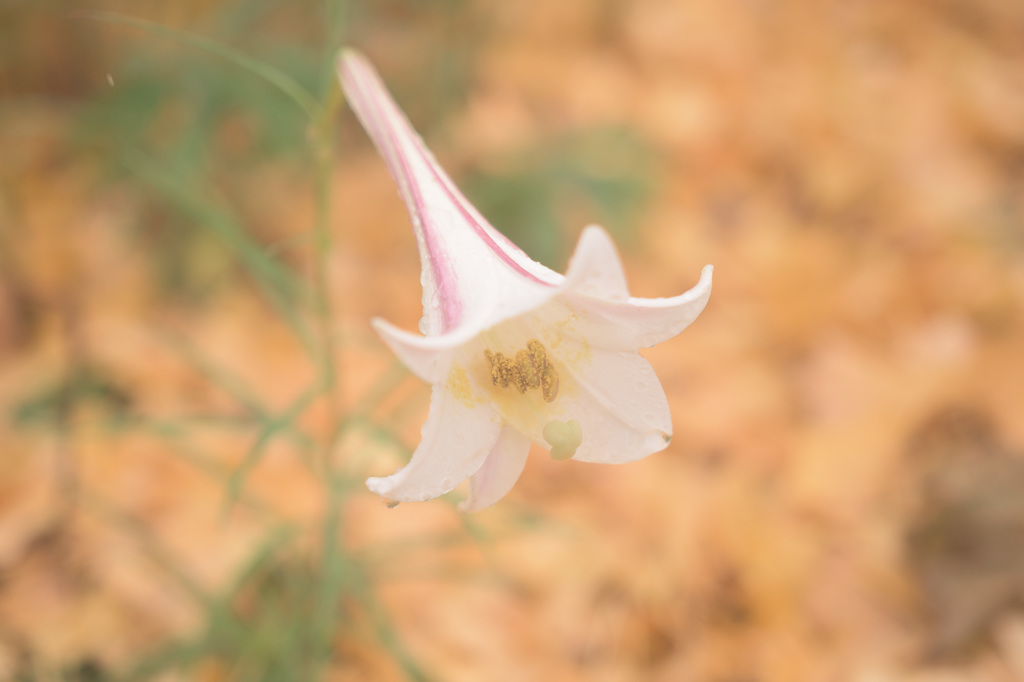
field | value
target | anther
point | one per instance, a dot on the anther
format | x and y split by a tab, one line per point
526	374
530	369
500	368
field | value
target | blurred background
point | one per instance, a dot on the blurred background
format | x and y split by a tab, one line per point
191	396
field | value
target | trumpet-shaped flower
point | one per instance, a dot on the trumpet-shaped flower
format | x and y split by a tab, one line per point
517	353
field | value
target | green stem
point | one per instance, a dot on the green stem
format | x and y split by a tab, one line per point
332	570
324	305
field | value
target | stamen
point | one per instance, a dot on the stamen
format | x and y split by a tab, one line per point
546	369
526	375
530	369
500	367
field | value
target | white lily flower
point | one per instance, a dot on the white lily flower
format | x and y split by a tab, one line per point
516	352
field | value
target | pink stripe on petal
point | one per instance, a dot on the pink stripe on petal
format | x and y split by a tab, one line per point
481	228
401	149
387	128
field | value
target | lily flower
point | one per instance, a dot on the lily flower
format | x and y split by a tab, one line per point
517	353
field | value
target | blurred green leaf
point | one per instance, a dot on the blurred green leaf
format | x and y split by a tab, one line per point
85	385
271	74
605	172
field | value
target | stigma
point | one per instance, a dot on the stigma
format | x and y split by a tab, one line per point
563	437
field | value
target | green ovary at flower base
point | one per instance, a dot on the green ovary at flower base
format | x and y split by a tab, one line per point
517	353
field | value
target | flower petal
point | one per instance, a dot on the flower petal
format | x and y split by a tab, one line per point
428	357
595	268
457	438
621	408
499	472
465	260
638	322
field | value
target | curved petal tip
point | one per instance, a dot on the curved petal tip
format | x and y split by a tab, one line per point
595	268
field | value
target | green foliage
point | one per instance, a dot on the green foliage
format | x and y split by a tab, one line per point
82	386
191	121
188	116
607	171
170	125
260	628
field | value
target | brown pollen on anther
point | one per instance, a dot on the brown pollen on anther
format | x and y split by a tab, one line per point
530	369
500	367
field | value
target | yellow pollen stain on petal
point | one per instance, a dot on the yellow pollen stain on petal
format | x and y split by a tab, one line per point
563	437
564	338
458	385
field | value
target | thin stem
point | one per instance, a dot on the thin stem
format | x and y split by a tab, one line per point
322	147
332	571
323	302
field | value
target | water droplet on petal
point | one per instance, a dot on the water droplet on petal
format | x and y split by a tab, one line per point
649	340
